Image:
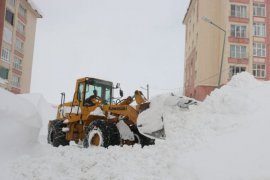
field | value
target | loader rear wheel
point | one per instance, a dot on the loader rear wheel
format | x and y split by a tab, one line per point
101	133
56	136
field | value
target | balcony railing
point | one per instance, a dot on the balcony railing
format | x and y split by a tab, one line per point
242	40
238	60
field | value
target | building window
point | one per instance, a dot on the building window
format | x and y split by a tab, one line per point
15	81
5	55
236	69
19	45
238	11
238	51
259	29
17	63
7	35
21	27
3	73
259	70
259	9
238	31
22	11
9	17
12	2
259	49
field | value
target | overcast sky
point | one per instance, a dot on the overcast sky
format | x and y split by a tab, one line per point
133	42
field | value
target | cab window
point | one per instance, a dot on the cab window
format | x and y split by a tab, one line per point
102	91
80	91
107	95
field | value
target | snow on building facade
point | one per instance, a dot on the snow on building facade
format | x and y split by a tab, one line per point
18	20
246	23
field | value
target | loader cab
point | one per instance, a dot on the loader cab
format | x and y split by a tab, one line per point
89	88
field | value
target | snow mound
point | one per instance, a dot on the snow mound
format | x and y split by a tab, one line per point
224	137
243	80
152	119
243	94
20	124
46	111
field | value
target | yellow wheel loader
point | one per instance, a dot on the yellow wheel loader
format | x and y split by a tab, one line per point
95	118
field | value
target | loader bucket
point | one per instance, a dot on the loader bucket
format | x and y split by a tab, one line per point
152	127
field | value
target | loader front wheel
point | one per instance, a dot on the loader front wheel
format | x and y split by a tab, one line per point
101	133
56	136
141	139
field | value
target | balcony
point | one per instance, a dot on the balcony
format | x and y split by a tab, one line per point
20	35
241	40
15	90
22	18
240	1
238	19
234	60
18	53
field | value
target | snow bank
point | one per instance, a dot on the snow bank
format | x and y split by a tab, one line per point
46	111
152	120
20	124
3	81
224	137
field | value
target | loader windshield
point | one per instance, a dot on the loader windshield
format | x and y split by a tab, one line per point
98	89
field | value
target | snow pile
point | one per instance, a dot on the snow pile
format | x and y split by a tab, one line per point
224	137
97	112
20	124
46	111
3	81
152	119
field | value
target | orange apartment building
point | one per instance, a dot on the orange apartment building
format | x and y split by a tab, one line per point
18	20
247	25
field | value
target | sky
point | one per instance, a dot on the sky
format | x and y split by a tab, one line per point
131	42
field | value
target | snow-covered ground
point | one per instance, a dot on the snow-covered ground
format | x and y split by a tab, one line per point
224	137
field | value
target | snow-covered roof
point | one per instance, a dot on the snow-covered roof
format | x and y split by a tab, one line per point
35	8
187	10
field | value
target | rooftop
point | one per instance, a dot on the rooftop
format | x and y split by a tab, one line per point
35	8
187	10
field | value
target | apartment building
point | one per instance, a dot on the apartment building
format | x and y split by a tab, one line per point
247	25
18	20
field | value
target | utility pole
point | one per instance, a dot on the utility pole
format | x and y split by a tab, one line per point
147	89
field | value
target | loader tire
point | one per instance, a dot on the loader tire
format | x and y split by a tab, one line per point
56	136
101	133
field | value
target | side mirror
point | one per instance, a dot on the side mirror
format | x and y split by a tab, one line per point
121	92
117	86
